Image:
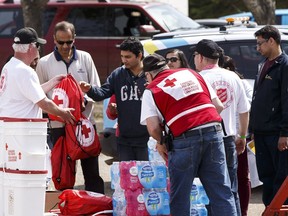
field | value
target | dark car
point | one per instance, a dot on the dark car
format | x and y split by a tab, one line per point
100	26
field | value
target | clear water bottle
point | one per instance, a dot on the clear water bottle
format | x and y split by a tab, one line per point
119	202
202	194
194	194
153	154
198	210
202	197
115	175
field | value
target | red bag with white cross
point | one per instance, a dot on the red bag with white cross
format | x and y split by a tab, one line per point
82	139
67	93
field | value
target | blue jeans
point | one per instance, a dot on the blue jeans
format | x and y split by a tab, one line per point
232	164
204	155
272	165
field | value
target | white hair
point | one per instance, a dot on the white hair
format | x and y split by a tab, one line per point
21	48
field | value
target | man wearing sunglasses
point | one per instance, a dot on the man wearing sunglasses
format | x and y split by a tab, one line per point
21	95
66	59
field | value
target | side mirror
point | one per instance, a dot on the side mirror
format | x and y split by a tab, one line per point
148	30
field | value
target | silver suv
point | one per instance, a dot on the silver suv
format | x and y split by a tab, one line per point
239	43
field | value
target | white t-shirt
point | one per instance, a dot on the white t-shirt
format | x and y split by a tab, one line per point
20	90
82	69
248	91
229	88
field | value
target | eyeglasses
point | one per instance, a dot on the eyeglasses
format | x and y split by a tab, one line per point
172	59
259	43
65	42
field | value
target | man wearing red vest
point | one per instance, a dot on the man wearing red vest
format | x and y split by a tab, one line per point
179	104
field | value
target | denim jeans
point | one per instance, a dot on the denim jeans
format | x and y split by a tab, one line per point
204	155
272	165
232	164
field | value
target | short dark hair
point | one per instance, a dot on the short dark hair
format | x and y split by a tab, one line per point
269	31
64	26
181	56
133	45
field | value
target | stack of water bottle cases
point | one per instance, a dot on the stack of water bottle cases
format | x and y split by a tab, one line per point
142	188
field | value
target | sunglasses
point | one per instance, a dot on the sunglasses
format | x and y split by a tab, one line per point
172	59
65	42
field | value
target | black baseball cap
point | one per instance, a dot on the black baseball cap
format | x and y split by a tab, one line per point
153	62
209	49
27	35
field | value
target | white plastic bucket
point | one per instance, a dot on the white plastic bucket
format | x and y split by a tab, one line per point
24	192
2	143
1	192
25	143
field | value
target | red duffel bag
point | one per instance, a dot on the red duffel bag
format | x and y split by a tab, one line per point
82	139
63	168
81	202
67	93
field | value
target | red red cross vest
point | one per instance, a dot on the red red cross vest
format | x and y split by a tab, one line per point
183	98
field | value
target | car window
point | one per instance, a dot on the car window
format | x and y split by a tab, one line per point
107	21
10	21
49	15
245	55
128	20
89	21
171	19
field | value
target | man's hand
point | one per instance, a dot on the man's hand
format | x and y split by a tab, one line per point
55	80
85	87
67	116
112	108
162	151
240	145
283	143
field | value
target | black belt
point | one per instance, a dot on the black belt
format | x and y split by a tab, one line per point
195	132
